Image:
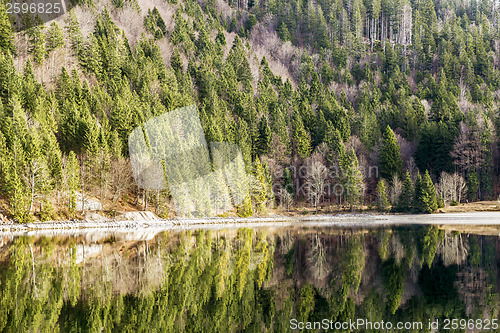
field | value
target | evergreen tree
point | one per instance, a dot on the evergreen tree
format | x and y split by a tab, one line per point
288	182
74	33
353	179
176	62
381	202
390	162
425	200
405	199
5	161
6	35
301	138
238	60
264	140
54	37
37	43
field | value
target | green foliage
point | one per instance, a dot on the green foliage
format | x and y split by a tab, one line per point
428	243
37	43
6	35
264	139
54	37
290	260
305	303
382	201
475	252
154	23
300	137
405	199
245	208
197	278
383	242
342	92
394	276
472	185
389	157
425	200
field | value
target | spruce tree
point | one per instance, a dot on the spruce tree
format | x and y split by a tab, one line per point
37	44
418	194
176	62
390	162
264	140
6	35
429	188
301	138
245	208
54	37
425	200
405	199
382	202
353	179
74	32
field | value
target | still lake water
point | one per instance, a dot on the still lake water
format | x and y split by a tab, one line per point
248	279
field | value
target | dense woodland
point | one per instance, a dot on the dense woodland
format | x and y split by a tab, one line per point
350	103
246	280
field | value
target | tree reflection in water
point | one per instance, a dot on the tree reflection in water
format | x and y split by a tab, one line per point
246	280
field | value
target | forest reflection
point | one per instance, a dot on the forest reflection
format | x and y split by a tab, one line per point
252	280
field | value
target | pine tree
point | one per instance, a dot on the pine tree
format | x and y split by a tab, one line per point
6	35
283	32
264	140
404	202
37	43
301	138
176	62
74	33
353	179
16	188
390	162
382	201
54	37
425	200
418	194
238	60
245	208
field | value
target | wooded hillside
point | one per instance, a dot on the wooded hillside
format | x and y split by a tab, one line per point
347	102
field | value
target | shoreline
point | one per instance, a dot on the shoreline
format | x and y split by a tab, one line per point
351	220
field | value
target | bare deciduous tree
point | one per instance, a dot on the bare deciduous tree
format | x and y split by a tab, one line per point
285	198
467	148
451	187
121	179
395	190
315	180
316	259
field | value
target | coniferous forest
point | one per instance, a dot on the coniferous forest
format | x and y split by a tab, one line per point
351	103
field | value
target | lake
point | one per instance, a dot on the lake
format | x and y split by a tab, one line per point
262	279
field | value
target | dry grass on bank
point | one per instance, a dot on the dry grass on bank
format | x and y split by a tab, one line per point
479	206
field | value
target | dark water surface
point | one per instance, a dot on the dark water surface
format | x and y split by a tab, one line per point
249	280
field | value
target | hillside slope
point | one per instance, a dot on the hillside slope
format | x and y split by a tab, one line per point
325	99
